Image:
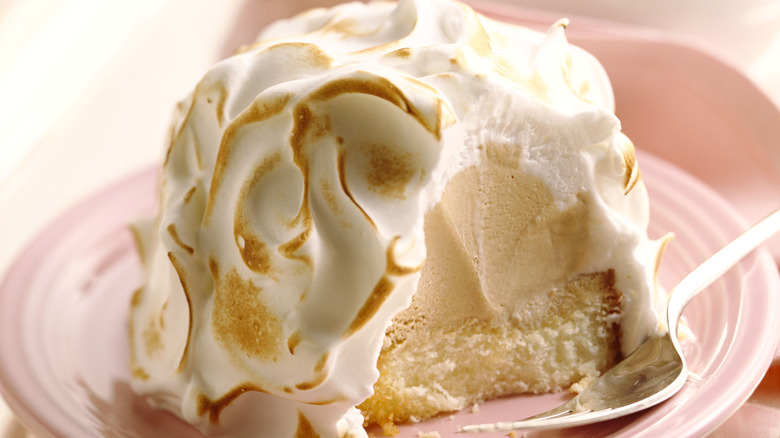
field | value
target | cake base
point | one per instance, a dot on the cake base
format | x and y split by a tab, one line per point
425	372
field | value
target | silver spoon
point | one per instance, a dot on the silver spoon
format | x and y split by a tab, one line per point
656	370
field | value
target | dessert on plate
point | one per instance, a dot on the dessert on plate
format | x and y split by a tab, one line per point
380	212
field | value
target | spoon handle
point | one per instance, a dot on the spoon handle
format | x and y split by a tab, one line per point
717	265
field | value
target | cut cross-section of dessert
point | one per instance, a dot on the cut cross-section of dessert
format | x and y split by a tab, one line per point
503	305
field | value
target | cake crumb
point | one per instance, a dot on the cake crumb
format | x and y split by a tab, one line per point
582	384
434	434
389	428
512	434
475	408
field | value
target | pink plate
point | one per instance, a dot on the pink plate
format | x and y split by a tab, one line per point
63	313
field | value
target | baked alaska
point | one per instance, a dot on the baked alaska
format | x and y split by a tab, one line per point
380	212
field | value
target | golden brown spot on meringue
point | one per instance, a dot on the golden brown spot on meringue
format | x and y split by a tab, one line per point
213	268
138	240
381	88
309	127
162	315
259	111
305	429
310	54
221	103
253	250
302	120
389	46
304	124
206	88
389	170
152	340
196	151
341	163
536	85
372	85
583	91
136	299
632	174
214	408
173	135
293	341
290	248
403	53
177	265
189	194
241	320
478	39
306	128
419	84
479	43
321	363
255	254
202	89
347	27
319	375
175	236
533	84
176	132
328	193
394	268
179	268
139	373
580	90
381	291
